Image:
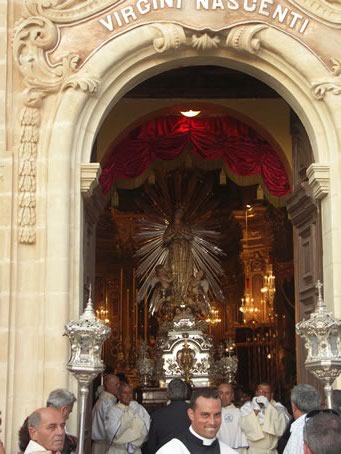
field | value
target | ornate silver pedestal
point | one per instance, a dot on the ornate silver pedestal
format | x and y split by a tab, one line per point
186	353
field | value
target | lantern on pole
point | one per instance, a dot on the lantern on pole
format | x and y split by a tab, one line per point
322	333
86	338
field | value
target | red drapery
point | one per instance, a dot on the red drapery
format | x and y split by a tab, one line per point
243	150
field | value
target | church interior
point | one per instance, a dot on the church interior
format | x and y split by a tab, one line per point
253	321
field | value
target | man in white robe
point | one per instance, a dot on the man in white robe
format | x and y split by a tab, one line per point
126	424
263	421
105	402
230	431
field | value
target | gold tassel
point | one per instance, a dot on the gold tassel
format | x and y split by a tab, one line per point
222	177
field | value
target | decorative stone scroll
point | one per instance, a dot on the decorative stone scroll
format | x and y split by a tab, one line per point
32	38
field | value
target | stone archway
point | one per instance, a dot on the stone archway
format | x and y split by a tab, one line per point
74	111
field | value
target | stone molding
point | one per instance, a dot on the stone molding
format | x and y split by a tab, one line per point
319	178
90	173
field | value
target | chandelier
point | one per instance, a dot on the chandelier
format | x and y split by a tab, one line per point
248	306
103	314
213	317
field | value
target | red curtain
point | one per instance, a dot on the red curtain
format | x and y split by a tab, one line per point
243	150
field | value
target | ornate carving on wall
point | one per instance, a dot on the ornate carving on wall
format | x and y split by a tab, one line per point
333	85
30	120
172	37
244	38
205	41
33	37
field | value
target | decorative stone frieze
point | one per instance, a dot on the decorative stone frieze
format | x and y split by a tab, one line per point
318	175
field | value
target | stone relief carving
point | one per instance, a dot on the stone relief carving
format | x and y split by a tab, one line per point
333	85
30	120
204	41
172	37
32	38
244	38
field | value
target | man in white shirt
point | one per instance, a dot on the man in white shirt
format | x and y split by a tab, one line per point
46	427
230	431
126	424
105	402
304	398
201	437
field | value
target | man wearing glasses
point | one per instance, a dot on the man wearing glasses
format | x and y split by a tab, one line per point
322	432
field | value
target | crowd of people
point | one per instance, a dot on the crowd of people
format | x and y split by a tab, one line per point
207	422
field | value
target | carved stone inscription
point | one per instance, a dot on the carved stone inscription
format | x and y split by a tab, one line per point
85	37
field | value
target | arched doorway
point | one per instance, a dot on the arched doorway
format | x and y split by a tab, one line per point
74	117
255	365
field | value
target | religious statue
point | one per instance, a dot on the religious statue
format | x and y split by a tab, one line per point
177	238
179	260
179	272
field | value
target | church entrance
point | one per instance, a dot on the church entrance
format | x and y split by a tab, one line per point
239	291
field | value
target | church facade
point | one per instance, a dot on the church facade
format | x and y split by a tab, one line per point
66	65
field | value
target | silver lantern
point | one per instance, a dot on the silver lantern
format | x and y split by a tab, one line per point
86	338
322	333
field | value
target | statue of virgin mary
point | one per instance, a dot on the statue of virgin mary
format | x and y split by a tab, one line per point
176	249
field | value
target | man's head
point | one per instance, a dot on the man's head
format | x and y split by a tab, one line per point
205	412
322	433
63	400
46	427
177	389
304	398
264	389
111	384
125	394
225	392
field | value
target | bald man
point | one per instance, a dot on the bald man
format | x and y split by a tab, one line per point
230	431
127	424
46	427
106	400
